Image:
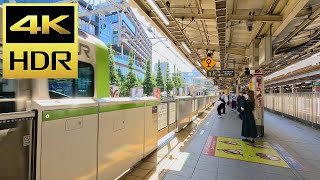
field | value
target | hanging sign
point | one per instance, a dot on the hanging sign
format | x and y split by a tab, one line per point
220	73
208	63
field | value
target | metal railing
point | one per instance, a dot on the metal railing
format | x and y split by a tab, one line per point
303	106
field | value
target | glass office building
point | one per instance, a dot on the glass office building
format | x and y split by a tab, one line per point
125	32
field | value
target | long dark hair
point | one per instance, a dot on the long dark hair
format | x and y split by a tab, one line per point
251	96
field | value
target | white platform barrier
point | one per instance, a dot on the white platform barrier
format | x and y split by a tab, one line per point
150	125
67	139
88	139
121	135
127	133
183	111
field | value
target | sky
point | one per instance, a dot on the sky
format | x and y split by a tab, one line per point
162	49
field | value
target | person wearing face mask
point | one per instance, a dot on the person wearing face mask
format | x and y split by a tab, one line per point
249	130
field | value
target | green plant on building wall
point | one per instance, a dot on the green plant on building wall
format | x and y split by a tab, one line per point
160	83
131	78
114	78
147	83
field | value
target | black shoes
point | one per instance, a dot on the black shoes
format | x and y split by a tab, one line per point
247	140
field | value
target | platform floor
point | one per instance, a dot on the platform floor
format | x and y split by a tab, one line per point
183	158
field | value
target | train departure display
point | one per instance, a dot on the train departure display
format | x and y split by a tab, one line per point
220	73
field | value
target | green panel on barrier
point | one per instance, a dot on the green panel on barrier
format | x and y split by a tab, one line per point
117	107
152	103
68	113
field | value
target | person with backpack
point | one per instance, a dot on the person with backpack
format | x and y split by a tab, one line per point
219	105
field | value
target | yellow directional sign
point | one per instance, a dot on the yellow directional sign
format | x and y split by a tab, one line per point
208	63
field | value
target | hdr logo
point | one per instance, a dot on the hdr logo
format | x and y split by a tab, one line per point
40	40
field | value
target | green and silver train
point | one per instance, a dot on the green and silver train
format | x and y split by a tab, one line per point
93	79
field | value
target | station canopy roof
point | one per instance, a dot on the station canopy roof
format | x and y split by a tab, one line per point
221	26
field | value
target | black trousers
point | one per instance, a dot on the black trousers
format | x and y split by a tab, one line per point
234	104
220	107
224	108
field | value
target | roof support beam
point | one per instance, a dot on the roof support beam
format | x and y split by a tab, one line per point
303	25
202	22
289	14
236	51
230	17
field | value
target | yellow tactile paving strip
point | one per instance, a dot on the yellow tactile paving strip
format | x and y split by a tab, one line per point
258	152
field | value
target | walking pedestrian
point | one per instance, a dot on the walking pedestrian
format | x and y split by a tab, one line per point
233	101
249	129
224	99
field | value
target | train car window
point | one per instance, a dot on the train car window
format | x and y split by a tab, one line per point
7	93
85	83
68	88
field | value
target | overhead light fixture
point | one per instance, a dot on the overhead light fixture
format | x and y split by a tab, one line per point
158	11
186	47
198	63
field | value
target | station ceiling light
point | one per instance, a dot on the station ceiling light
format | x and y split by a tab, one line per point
158	11
186	47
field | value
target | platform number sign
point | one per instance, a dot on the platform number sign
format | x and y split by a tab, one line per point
40	40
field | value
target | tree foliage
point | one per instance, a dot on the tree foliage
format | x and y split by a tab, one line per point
169	82
131	78
180	80
122	77
114	78
160	83
147	83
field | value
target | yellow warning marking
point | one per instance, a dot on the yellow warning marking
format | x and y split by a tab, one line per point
259	152
208	63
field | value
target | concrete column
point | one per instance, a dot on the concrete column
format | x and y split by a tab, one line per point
281	89
293	88
258	88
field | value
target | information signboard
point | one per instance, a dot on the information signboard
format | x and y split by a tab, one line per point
220	73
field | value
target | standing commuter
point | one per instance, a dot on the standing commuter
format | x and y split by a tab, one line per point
233	101
240	101
249	129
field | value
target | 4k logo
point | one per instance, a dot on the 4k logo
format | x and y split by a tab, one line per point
40	40
46	24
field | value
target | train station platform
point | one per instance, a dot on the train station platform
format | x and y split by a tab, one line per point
211	148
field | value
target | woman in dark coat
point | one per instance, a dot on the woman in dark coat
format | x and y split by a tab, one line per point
249	130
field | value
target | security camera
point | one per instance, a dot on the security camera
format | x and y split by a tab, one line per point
168	4
249	25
